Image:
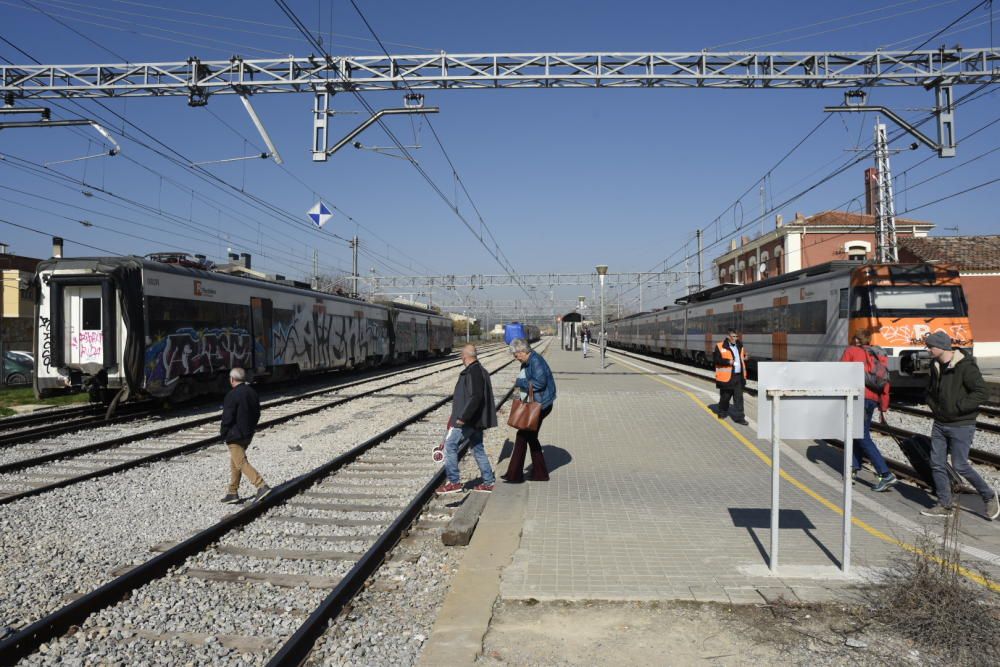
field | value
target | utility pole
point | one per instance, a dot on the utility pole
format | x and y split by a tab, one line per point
640	295
315	280
886	249
354	267
700	284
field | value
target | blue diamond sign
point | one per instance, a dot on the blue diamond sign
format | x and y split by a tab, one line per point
320	214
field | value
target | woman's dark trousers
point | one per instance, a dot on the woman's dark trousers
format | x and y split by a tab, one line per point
524	441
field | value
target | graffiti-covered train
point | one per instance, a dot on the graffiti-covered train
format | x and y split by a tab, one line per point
149	328
811	315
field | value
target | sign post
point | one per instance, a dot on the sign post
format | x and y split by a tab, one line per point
820	402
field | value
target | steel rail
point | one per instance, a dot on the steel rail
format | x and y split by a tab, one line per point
185	448
48	414
49	430
26	641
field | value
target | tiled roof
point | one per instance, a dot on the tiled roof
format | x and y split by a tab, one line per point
968	253
843	218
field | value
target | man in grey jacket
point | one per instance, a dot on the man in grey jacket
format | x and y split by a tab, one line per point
472	411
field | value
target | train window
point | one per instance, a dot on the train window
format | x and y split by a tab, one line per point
807	318
844	307
91	314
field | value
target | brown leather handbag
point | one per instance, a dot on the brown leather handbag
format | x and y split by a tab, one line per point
525	415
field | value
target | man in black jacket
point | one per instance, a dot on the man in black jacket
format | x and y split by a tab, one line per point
955	391
240	414
472	411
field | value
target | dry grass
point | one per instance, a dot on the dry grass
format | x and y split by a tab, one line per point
926	599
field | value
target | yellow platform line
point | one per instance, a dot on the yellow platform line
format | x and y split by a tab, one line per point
868	528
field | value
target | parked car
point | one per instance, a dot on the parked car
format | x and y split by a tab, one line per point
17	367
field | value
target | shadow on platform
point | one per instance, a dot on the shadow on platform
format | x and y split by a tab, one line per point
555	457
833	458
755	518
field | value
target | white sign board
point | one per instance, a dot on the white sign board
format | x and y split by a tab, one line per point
808	417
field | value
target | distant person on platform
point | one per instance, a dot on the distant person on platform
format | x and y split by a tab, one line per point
536	375
876	396
473	410
731	376
240	414
955	391
584	339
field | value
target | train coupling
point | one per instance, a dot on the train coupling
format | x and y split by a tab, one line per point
915	362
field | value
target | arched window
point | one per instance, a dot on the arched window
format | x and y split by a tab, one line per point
722	275
742	268
764	267
857	250
777	261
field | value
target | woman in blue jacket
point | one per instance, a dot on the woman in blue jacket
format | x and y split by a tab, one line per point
535	372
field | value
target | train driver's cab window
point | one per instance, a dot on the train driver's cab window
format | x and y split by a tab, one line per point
909	301
91	311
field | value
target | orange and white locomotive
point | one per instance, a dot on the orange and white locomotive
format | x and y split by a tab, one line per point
810	315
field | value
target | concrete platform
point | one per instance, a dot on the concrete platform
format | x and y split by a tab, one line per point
651	497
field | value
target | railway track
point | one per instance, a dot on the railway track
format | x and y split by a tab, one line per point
975	455
987	427
40	474
338	495
50	425
60	421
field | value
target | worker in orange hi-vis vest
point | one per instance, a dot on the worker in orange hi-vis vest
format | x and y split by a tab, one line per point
731	376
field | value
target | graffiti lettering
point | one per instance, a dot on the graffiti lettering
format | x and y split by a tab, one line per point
913	334
89	346
46	343
190	352
320	340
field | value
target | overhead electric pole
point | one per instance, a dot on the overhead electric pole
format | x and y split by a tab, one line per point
354	267
886	249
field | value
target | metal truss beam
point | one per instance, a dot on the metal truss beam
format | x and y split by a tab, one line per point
526	279
199	79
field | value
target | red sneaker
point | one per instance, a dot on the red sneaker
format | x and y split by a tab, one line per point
449	487
483	487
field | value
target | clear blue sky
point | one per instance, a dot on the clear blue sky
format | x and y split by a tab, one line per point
565	179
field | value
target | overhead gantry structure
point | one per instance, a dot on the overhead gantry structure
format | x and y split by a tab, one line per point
197	79
324	76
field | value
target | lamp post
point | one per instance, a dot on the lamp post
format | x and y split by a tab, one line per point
602	271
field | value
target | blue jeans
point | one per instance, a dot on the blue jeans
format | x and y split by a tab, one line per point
957	441
453	442
867	446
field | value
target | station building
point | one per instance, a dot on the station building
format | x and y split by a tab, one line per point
807	241
15	300
978	261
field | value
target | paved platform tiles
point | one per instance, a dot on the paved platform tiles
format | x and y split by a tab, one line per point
651	498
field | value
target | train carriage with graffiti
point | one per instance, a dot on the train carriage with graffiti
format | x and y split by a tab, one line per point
173	328
810	315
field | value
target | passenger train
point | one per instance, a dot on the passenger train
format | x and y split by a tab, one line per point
168	327
811	315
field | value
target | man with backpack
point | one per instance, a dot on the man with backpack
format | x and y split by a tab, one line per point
954	393
876	396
